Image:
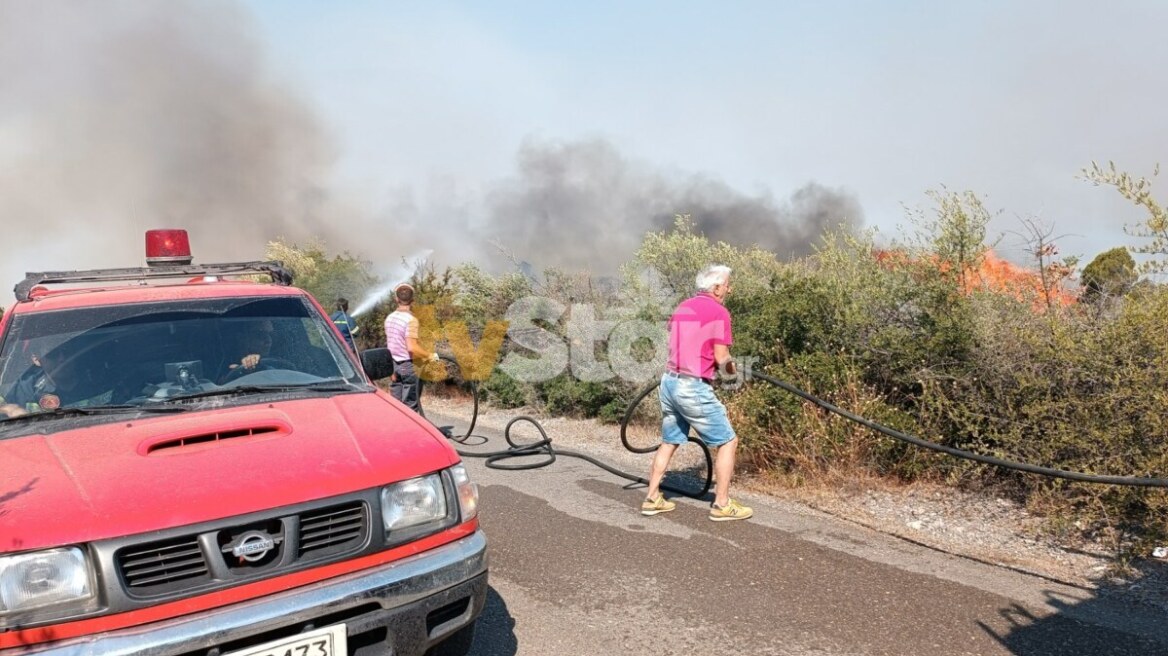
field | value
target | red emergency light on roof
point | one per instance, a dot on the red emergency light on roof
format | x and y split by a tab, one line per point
169	246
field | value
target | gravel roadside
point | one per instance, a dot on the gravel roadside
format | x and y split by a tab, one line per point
977	526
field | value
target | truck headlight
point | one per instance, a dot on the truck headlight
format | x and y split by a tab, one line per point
44	585
414	502
468	493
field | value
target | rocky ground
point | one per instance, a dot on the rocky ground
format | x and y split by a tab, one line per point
977	526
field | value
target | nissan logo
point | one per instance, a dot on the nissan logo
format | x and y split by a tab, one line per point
253	546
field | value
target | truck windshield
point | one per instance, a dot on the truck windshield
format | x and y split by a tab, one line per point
140	354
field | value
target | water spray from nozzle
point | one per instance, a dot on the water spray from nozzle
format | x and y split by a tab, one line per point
401	274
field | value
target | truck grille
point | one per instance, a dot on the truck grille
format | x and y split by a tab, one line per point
246	548
163	566
332	530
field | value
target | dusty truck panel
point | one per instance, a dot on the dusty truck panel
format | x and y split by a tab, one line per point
163	492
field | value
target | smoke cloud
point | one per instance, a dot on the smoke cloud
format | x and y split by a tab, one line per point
123	116
117	117
583	205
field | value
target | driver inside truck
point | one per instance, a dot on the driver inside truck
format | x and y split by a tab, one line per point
253	346
54	380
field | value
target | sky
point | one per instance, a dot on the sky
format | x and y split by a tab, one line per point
558	133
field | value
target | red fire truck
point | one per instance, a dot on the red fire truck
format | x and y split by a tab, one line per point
192	462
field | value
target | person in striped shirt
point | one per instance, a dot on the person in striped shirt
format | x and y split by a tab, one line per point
401	338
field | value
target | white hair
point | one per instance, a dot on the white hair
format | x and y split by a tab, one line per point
715	274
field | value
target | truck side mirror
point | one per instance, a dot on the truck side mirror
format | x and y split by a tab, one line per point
377	363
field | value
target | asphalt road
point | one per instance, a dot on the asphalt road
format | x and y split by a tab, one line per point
575	569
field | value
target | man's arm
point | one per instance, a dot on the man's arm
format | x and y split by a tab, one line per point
18	399
415	348
722	357
722	347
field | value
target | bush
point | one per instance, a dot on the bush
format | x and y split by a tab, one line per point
564	395
481	297
1112	273
1072	390
504	391
784	434
613	412
798	314
678	255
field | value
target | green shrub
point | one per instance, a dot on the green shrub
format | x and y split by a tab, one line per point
504	391
785	434
1111	273
678	254
480	297
564	395
1074	390
613	411
797	315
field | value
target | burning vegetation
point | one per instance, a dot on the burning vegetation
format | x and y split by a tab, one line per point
988	272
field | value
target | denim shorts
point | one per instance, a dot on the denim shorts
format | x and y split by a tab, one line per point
690	403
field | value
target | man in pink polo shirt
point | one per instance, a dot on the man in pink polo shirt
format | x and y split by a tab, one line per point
699	344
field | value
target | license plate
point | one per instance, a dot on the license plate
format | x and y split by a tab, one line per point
329	641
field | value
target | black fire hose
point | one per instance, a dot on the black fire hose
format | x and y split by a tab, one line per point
544	445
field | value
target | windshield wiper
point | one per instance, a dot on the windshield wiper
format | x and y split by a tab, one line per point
92	410
242	390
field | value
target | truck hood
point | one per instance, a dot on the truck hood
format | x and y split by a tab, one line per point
121	479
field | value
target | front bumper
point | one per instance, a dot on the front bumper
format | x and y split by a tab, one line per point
402	607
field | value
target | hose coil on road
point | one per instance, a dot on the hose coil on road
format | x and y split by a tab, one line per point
543	447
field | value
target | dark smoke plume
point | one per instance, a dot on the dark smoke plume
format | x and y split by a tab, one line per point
121	116
583	206
788	230
117	117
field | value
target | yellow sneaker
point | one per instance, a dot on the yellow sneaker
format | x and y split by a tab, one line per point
657	505
729	512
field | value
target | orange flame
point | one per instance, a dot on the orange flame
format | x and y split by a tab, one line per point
996	275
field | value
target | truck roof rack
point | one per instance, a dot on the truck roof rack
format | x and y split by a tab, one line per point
276	270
